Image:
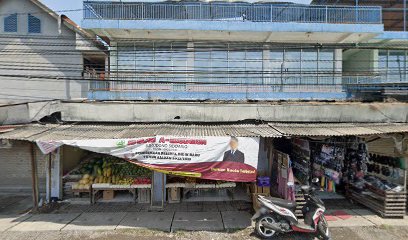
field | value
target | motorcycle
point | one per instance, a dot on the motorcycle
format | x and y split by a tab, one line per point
277	216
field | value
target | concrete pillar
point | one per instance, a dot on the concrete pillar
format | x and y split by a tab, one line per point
190	61
265	65
114	60
338	68
54	176
158	189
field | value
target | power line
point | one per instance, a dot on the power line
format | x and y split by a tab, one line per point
42	12
216	44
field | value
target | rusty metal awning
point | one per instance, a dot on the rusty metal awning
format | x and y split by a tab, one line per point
55	132
49	132
338	129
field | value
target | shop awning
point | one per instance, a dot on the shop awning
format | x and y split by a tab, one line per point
338	129
55	132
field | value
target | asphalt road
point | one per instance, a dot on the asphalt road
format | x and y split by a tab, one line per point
355	233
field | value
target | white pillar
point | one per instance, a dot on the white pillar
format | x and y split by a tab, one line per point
54	175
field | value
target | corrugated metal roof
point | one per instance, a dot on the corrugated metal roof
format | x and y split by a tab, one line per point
6	128
46	132
339	129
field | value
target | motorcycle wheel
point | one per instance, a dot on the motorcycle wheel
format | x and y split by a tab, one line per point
263	232
323	229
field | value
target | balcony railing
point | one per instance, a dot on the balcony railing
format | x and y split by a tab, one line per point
252	12
288	87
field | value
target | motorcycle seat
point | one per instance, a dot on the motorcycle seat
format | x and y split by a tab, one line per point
283	203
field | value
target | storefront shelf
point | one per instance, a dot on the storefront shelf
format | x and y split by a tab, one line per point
175	185
300	201
393	204
141	186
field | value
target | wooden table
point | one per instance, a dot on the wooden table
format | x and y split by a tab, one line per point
96	188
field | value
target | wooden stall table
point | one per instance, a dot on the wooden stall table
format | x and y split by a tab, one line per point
143	192
174	192
229	186
98	187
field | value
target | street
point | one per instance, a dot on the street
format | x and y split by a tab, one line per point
350	233
122	221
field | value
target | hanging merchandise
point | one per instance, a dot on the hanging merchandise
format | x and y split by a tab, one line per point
328	161
286	180
301	160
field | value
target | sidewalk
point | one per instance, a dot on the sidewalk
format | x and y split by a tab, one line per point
172	221
163	221
197	216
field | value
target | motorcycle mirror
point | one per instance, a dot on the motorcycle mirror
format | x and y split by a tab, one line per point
315	180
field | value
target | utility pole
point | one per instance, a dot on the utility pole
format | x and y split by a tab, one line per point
405	15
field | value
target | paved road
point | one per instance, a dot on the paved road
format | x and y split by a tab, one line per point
351	233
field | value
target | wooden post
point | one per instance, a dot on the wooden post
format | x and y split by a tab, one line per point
34	177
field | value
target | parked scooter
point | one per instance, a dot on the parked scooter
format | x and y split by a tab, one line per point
276	216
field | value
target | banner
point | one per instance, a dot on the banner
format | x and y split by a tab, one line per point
216	158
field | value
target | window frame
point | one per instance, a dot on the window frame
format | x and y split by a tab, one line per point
29	17
16	24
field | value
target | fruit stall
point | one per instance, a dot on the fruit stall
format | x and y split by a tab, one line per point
101	176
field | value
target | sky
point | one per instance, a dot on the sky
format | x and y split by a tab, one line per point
58	5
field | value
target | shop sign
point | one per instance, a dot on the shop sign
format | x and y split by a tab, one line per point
216	158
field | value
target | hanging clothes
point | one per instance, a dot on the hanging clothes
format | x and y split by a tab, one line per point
286	183
290	194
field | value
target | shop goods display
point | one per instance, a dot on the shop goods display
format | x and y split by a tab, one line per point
376	181
328	163
109	170
300	160
387	203
389	168
84	183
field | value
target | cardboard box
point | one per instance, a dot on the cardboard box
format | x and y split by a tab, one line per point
174	195
266	190
108	194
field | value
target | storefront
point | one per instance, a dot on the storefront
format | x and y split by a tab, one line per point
168	163
162	168
369	169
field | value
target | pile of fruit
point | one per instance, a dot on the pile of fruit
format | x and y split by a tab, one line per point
109	170
85	183
138	181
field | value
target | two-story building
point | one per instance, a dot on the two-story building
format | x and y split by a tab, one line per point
44	55
227	50
263	76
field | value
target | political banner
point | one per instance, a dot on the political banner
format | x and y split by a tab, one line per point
216	158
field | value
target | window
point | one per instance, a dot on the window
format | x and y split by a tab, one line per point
34	24
392	65
10	23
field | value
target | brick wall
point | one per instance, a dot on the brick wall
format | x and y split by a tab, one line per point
15	168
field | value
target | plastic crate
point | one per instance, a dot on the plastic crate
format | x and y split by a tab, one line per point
263	182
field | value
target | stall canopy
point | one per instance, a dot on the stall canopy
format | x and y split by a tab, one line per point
338	129
55	132
212	151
